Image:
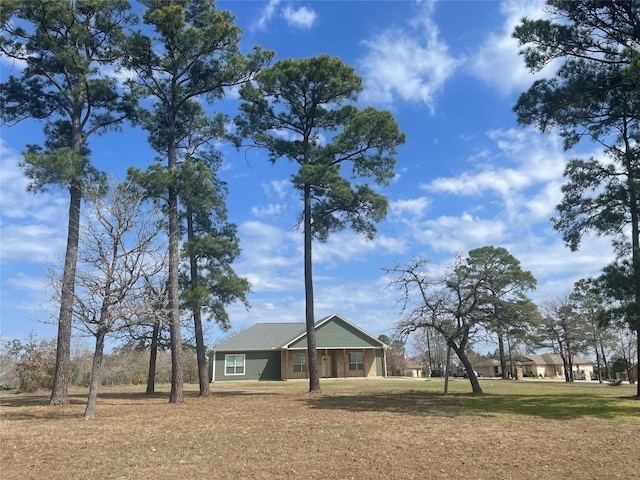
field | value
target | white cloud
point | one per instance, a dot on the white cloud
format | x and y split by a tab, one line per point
497	61
537	160
268	210
277	188
268	257
411	63
350	246
30	223
302	17
461	233
37	243
413	207
267	14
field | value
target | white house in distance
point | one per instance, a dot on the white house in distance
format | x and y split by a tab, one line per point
545	365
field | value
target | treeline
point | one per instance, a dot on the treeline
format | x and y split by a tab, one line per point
29	366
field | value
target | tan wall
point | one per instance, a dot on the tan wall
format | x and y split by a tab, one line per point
369	363
339	362
290	374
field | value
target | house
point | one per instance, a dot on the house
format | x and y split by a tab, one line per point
550	365
278	351
412	368
489	367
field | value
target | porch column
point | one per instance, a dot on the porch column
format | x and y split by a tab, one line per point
384	362
285	375
306	370
327	367
344	363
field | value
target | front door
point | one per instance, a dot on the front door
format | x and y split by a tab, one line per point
325	366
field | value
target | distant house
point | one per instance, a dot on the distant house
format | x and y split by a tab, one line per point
412	368
489	367
546	365
550	365
278	351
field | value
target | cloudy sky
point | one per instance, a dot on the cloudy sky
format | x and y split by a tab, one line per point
468	175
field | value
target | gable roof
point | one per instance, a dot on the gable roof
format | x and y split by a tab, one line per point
274	336
262	336
412	363
330	318
550	359
488	362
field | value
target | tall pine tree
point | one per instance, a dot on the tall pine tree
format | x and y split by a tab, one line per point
192	54
67	49
311	99
595	94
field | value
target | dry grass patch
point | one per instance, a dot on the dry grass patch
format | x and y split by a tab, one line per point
357	429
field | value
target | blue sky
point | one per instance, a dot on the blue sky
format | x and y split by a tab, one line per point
468	175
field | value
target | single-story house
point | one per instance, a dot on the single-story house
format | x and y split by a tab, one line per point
278	351
550	365
489	367
412	368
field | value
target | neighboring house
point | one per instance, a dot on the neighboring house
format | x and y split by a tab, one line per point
278	351
549	365
412	368
488	368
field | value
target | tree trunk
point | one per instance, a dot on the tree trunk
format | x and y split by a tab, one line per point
565	366
503	361
632	179
201	354
153	358
177	375
598	364
604	359
96	369
638	362
430	358
447	366
62	375
475	384
314	378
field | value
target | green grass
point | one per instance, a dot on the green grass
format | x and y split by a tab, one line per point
551	400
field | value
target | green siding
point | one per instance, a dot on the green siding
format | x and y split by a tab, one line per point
337	334
258	366
379	370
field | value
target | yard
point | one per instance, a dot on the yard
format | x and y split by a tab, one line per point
360	429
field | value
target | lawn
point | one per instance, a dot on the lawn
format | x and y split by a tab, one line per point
356	429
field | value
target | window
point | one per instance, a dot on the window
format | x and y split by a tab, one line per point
234	364
299	362
355	361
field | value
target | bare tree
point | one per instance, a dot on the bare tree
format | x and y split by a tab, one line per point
118	252
445	303
563	332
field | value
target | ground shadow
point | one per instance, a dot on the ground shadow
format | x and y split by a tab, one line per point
14	404
412	402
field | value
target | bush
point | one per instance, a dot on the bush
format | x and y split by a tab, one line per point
32	380
35	363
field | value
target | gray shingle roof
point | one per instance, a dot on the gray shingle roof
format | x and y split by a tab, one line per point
550	359
263	336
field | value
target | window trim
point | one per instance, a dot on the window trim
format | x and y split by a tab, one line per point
353	365
235	366
302	364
